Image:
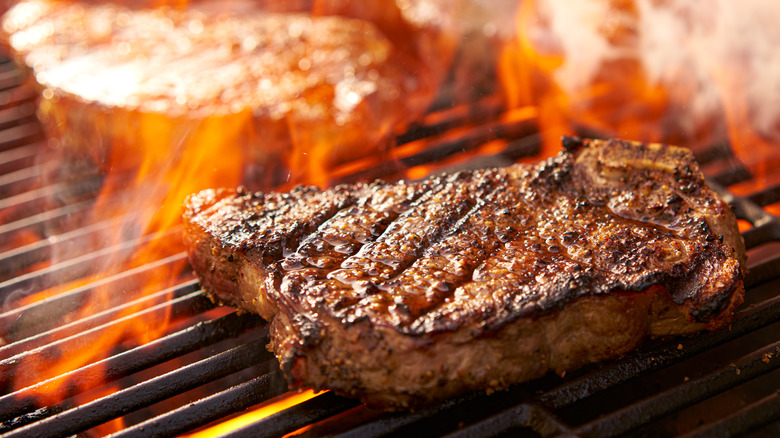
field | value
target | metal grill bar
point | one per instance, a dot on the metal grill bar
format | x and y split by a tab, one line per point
148	392
19	158
81	266
694	390
25	179
20	135
389	423
748	418
206	410
526	415
34	199
76	242
50	219
133	360
294	418
184	300
80	293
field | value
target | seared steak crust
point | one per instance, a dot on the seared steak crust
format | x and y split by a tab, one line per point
410	292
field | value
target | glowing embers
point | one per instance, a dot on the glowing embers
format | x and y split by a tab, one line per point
675	72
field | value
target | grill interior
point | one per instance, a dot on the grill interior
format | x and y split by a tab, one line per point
211	365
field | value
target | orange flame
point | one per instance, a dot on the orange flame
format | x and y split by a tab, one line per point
275	405
611	69
152	160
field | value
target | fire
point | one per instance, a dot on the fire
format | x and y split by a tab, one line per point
669	71
152	155
627	68
265	410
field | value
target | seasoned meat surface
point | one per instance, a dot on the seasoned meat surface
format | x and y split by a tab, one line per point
409	292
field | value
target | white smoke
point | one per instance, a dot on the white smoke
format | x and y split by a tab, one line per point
701	52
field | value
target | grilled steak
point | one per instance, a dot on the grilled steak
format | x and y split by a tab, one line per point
406	293
131	86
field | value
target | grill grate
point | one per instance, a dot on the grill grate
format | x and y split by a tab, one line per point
212	364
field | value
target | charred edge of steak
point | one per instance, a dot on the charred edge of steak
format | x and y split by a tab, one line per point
390	370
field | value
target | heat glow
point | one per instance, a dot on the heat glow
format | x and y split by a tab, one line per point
687	73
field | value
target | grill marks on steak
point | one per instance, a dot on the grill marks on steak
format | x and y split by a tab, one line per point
410	292
382	243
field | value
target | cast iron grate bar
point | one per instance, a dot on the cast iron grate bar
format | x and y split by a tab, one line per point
20	135
524	415
291	419
228	401
19	158
83	265
746	419
128	362
74	243
148	392
182	300
82	293
694	390
42	222
25	179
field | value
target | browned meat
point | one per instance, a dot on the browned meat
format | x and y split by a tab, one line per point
407	293
285	94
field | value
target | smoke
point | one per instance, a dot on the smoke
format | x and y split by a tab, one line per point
725	47
714	59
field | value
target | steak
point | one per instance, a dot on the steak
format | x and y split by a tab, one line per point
130	86
407	293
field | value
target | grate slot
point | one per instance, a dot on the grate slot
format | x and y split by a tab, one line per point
526	415
437	123
18	112
622	370
75	295
389	423
84	265
184	300
750	417
296	417
20	135
25	179
73	243
208	409
19	158
454	142
727	172
148	392
766	196
41	200
46	221
128	362
762	272
193	303
37	198
623	420
10	77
